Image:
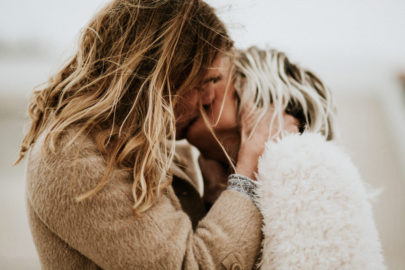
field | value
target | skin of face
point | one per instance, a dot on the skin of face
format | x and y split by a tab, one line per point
187	108
222	115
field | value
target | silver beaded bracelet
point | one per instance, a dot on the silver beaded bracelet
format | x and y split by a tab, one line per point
243	184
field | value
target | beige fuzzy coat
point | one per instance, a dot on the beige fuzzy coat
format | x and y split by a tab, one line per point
315	215
102	232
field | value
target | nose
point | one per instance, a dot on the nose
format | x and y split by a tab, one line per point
208	96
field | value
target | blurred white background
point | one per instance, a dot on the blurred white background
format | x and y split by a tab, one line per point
357	47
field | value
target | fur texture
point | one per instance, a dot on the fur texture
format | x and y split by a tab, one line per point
316	212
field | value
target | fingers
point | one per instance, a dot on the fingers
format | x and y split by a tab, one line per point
291	123
288	125
256	129
266	123
252	117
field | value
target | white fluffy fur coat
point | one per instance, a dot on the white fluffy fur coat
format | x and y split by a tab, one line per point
315	207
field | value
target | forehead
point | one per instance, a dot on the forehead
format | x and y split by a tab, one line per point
221	64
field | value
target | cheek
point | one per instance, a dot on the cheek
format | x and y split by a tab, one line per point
228	116
187	104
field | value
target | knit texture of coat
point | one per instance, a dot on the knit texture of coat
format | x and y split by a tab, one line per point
102	232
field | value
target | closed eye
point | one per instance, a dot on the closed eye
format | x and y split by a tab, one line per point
213	79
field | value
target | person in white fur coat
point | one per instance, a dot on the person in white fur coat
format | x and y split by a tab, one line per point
315	206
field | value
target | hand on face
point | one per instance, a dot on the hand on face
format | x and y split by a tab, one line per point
235	138
255	134
220	104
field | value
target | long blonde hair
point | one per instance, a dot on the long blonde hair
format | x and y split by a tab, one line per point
134	59
273	79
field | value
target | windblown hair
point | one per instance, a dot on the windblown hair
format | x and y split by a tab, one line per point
134	59
271	79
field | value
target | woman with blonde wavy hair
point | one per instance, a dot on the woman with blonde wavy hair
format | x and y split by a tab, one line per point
104	186
315	206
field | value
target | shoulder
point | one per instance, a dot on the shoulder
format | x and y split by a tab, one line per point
306	147
55	178
70	145
71	153
311	196
310	160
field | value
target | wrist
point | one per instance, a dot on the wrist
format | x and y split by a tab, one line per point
247	170
243	184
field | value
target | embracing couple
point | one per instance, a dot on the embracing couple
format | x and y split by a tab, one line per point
108	186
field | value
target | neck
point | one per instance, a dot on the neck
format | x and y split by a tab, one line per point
230	140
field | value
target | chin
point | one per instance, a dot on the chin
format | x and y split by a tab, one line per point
182	129
199	136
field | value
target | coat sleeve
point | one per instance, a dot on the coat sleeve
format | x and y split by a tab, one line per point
315	208
104	229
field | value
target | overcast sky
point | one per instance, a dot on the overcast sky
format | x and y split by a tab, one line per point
360	41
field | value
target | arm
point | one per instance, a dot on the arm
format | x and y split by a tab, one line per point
315	208
104	229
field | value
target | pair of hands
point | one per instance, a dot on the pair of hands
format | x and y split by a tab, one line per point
253	139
